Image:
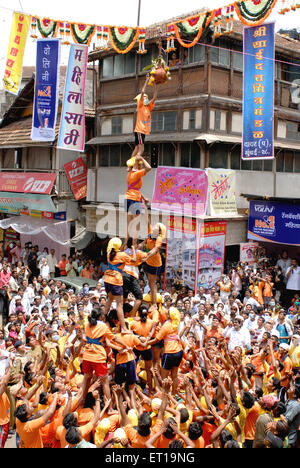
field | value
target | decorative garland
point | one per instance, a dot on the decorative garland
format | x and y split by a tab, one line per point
47	27
254	12
123	39
82	33
191	26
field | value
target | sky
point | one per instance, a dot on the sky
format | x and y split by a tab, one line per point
114	12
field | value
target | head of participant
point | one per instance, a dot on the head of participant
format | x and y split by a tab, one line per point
113	247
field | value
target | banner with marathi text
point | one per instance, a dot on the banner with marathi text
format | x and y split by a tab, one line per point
274	222
46	90
72	124
221	183
181	253
16	47
211	252
258	106
180	190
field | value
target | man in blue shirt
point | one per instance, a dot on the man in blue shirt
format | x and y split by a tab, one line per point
292	413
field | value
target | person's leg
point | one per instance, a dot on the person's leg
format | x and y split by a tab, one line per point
3	434
108	303
174	376
153	287
120	312
148	365
106	390
12	403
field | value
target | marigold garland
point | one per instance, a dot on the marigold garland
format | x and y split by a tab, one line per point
80	35
117	44
244	13
206	22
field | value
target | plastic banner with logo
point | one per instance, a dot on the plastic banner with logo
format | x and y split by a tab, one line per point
27	182
16	48
181	252
180	190
10	203
222	195
72	124
77	176
211	252
46	90
274	222
258	107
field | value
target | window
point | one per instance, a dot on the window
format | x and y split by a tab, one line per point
192	119
288	161
190	155
218	156
194	54
236	162
167	156
220	55
110	155
238	60
119	65
146	59
293	131
164	121
235	159
218	120
116	125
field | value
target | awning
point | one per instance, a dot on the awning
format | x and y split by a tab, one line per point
82	239
58	231
235	139
153	138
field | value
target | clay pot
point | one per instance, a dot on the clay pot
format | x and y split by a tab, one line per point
160	76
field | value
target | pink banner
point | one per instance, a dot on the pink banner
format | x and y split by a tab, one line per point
27	182
72	123
180	191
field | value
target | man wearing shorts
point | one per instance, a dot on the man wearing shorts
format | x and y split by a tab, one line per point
131	277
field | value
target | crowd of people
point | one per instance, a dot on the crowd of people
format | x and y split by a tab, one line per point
126	364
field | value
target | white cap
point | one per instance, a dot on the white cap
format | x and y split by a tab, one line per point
284	346
275	333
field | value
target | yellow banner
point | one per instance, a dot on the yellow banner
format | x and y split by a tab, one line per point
14	63
221	184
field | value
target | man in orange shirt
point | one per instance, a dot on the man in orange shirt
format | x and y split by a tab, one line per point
28	428
4	408
143	120
62	265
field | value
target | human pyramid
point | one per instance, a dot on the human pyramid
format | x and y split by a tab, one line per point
143	370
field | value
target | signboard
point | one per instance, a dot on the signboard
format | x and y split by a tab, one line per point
46	90
211	252
258	106
181	254
77	176
222	196
180	190
27	182
12	203
274	222
72	124
248	252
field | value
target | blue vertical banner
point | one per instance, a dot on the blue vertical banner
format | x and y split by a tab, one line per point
46	90
258	105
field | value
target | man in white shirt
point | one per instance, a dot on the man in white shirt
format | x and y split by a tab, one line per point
284	262
52	262
237	335
293	282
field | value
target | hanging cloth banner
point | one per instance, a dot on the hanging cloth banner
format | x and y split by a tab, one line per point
14	63
221	183
72	123
258	107
180	190
46	90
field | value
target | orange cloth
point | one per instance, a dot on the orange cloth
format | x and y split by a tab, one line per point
62	267
29	433
142	329
115	277
134	184
4	409
93	352
172	344
250	423
154	261
130	341
143	119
